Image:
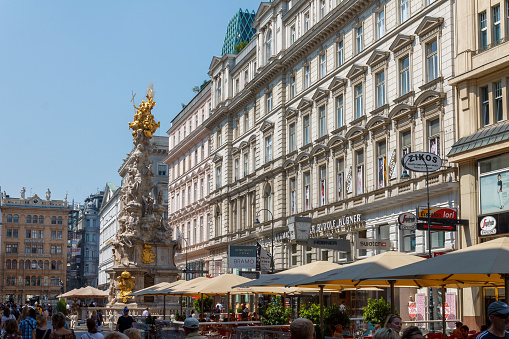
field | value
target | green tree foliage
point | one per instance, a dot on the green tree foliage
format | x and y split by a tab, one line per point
275	315
376	311
62	306
240	46
311	312
333	315
207	304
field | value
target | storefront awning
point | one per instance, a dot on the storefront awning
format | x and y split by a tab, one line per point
483	138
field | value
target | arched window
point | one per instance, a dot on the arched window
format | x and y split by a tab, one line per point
27	264
29	219
27	280
267	198
86	252
54	220
34	219
52	281
46	264
41	219
34	280
60	220
39	279
34	264
9	217
14	264
16	218
268	46
53	265
8	281
39	265
59	265
8	264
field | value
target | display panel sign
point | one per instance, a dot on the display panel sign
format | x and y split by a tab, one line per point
407	221
488	226
242	256
438	213
494	192
421	162
373	244
494	224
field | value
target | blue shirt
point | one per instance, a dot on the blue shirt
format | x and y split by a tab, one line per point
26	327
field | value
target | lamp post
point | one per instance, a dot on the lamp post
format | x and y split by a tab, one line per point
272	251
185	269
418	159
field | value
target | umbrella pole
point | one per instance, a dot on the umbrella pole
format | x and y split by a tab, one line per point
443	311
181	305
257	306
164	307
298	306
284	301
321	308
506	280
202	310
228	305
393	304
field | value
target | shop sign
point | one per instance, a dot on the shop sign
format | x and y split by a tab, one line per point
348	181
392	164
76	251
249	274
488	225
373	244
407	221
342	223
421	162
437	213
262	259
242	256
298	228
341	245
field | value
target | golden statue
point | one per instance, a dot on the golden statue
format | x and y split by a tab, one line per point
125	285
143	119
148	256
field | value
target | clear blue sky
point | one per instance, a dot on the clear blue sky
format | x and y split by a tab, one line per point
67	69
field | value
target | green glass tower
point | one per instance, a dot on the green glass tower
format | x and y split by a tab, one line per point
239	30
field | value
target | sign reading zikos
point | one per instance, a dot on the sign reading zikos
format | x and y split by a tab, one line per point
336	223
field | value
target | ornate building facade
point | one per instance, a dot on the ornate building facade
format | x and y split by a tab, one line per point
34	247
482	151
312	119
189	185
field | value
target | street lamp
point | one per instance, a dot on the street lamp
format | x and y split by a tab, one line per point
272	251
185	269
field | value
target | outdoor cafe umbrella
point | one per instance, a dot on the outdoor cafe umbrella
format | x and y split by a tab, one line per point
287	277
163	288
69	294
90	291
350	275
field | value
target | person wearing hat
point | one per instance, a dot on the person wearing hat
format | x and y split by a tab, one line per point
191	326
125	321
498	313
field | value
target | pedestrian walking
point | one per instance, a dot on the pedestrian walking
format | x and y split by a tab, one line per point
133	333
412	332
59	332
125	321
28	325
191	327
41	332
11	329
92	330
6	316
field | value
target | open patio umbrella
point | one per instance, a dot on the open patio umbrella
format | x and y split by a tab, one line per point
69	294
162	288
485	264
90	291
287	277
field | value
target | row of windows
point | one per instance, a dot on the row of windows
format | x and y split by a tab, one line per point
492	19
32	265
192	195
33	234
184	126
33	281
491	102
188	162
193	235
33	219
33	248
348	180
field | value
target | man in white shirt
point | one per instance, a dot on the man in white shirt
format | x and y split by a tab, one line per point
145	313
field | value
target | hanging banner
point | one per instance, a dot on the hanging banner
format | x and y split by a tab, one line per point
421	308
349	186
391	166
451	301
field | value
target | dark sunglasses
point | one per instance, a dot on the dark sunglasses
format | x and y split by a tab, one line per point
502	316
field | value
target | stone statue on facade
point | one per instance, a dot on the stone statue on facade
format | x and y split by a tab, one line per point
22	193
48	194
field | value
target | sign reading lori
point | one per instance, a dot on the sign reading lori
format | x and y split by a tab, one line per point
421	162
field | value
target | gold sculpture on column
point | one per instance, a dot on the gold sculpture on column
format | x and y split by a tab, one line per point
143	119
148	256
125	285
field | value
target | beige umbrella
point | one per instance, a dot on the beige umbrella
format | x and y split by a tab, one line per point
162	288
484	264
69	294
287	277
90	291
